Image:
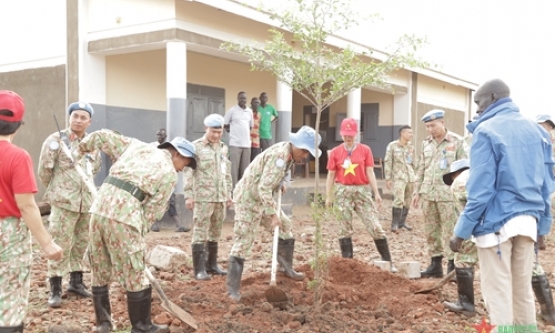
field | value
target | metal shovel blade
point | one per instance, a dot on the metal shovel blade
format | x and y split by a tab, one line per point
275	295
172	308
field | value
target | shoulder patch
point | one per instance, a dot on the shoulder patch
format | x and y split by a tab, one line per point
280	163
54	145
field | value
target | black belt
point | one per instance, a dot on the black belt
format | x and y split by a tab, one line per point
127	187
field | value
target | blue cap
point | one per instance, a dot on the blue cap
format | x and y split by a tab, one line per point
542	118
214	120
433	115
304	139
184	147
458	165
83	106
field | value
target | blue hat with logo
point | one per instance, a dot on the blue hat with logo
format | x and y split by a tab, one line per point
83	106
458	165
433	115
184	147
542	118
214	120
304	139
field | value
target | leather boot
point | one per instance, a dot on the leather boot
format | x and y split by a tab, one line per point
383	249
541	287
55	299
102	310
396	221
212	263
138	307
11	329
403	223
199	262
435	269
346	245
286	247
465	289
76	285
234	273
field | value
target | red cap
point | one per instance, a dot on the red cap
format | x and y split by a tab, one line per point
349	127
12	102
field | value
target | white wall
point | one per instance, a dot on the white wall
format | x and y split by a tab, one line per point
33	34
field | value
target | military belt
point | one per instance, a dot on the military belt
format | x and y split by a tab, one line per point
126	186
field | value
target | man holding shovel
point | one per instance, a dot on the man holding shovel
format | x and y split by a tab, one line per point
254	204
70	200
134	194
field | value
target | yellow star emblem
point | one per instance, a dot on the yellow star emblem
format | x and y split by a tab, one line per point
350	169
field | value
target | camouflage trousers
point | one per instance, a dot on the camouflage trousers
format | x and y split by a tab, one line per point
15	270
402	194
117	250
439	220
70	230
468	254
357	199
208	218
248	216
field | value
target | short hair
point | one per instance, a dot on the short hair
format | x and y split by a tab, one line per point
263	93
253	99
162	129
404	127
8	127
241	92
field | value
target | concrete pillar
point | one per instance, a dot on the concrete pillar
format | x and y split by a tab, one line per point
284	107
402	110
176	94
354	101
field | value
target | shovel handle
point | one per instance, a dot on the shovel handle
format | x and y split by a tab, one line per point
156	286
275	243
86	179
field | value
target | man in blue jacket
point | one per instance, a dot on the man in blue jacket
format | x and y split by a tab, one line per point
508	207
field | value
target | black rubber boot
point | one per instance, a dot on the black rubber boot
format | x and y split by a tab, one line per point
199	262
396	221
435	270
404	219
465	288
102	310
76	285
11	329
346	245
212	263
450	265
55	299
155	227
383	249
138	307
541	287
286	247
234	273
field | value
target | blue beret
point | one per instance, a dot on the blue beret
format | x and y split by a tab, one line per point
82	106
433	115
214	120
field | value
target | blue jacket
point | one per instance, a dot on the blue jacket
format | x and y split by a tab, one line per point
511	172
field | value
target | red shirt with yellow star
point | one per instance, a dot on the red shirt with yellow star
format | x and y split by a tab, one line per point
353	173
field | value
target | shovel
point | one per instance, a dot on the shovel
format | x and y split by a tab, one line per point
436	285
274	294
172	308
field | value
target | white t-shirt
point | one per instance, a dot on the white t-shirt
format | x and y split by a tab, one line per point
240	122
521	225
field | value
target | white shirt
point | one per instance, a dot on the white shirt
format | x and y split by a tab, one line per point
521	225
240	122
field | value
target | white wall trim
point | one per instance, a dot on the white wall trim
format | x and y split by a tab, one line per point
20	66
452	106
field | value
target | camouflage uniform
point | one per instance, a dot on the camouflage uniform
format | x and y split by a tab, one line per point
437	200
70	200
468	253
210	186
253	200
399	168
358	199
15	270
119	220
